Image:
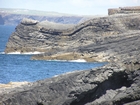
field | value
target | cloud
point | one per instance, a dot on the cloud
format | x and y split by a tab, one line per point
135	1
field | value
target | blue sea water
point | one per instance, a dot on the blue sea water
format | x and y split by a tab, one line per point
5	32
18	68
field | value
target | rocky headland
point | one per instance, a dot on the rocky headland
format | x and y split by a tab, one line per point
114	39
98	39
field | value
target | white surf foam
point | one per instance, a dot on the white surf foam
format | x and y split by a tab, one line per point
58	60
35	52
78	60
14	53
2	52
26	53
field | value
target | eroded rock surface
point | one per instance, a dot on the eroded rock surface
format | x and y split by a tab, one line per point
99	39
114	39
26	21
109	85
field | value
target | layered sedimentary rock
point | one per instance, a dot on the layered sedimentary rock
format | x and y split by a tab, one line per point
114	39
124	10
93	39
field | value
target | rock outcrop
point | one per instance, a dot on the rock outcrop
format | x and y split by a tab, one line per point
109	85
102	38
114	39
124	10
29	22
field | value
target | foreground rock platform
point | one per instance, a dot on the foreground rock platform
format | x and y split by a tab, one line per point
108	85
114	39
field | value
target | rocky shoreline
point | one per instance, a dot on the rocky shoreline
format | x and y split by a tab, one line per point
108	85
6	88
114	39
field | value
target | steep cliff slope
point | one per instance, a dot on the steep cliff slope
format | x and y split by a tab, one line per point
95	35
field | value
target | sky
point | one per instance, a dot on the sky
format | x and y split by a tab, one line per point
77	7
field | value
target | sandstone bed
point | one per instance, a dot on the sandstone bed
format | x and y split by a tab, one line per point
113	38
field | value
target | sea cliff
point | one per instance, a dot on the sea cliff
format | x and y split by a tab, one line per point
114	39
98	39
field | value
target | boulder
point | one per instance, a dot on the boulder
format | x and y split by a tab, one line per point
26	21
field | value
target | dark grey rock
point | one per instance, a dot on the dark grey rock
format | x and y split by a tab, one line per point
99	35
80	88
113	39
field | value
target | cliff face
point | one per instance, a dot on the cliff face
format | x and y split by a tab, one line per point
113	38
98	35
